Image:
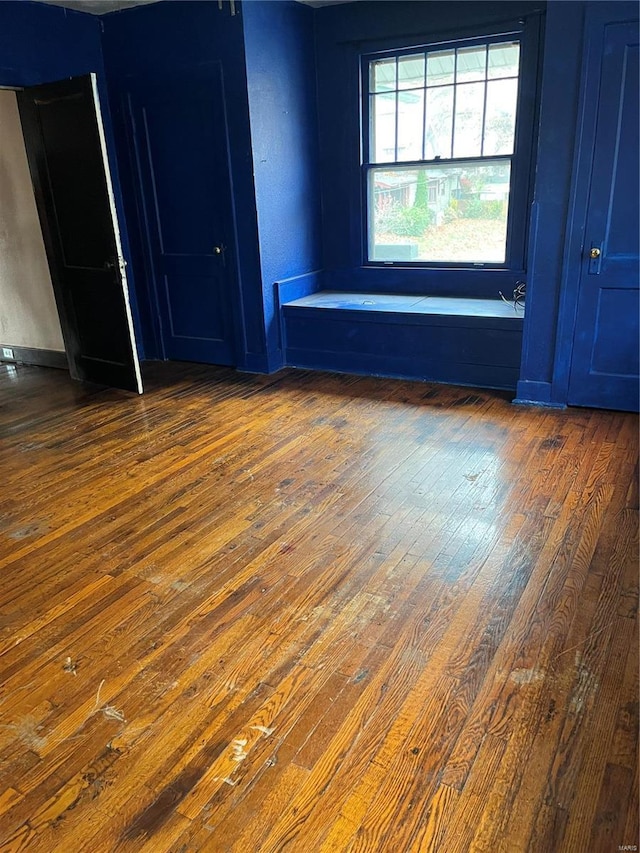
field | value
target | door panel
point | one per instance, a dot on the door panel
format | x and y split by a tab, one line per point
621	359
180	297
67	158
180	137
605	363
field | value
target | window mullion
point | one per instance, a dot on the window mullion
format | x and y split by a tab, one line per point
367	152
396	108
424	109
455	92
484	100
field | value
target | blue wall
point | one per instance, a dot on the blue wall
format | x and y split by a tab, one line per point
279	48
40	44
144	45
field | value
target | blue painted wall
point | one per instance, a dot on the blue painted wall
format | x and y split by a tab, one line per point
41	44
144	44
279	49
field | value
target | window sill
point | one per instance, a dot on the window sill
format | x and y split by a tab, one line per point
387	303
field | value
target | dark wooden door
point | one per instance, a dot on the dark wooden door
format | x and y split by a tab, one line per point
69	168
605	361
179	135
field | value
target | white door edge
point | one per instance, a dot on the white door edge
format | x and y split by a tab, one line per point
116	229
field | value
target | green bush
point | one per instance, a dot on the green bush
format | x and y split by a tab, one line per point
411	221
474	208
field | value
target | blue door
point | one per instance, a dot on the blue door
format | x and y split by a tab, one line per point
605	362
179	134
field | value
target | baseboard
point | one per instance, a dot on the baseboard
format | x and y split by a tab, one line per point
35	356
535	393
254	362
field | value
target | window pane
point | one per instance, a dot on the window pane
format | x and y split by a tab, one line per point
383	75
471	64
411	71
467	134
440	67
410	124
500	119
439	122
440	213
383	128
504	60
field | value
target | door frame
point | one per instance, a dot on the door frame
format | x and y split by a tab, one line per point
66	326
598	15
44	357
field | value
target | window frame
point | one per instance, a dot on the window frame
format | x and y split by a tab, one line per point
526	32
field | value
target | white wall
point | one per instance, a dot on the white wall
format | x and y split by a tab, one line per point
28	314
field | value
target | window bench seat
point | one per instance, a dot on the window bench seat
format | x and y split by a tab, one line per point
443	339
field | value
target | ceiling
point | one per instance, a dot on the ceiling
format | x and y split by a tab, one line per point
101	7
98	7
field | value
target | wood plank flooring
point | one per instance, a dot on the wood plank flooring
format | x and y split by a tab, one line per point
311	612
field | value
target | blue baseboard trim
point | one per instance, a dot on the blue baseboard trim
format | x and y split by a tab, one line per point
536	393
255	363
520	402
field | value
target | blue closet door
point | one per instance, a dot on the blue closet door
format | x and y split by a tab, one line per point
180	137
605	361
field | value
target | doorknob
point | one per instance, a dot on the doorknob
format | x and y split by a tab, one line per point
595	260
218	250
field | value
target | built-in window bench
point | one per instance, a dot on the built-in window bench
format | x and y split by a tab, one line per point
443	339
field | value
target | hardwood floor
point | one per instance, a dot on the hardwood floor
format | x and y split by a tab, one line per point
311	612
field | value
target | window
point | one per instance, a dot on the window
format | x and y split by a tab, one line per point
440	155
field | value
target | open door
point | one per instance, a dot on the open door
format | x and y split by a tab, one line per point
67	157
